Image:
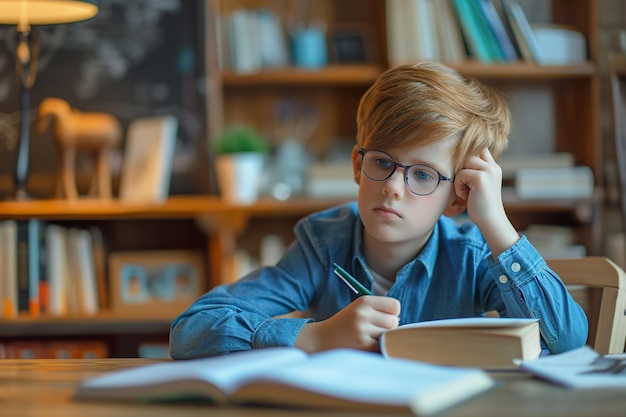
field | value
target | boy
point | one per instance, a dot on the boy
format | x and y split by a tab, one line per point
426	141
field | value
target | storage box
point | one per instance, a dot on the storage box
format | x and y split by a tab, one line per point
560	45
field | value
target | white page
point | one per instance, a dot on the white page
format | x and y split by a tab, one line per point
366	377
223	371
473	322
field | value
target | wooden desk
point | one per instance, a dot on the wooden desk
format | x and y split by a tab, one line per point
44	388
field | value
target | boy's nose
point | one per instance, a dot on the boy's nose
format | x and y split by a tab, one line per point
395	183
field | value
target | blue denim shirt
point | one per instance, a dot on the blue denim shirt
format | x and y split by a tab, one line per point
453	276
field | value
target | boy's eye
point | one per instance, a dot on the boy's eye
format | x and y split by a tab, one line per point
384	163
423	175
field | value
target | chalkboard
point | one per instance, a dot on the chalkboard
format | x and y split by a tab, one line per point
136	58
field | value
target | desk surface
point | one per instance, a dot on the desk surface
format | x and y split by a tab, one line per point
44	388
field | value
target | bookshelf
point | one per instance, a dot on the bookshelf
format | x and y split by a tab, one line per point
335	89
200	223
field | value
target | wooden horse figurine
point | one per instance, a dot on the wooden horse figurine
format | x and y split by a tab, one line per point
93	133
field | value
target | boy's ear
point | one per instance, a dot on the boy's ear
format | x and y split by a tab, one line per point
455	207
356	164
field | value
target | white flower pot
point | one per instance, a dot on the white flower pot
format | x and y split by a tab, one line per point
238	176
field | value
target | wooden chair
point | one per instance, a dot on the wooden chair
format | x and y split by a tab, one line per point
601	273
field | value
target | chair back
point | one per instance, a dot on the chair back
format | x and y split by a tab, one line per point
601	273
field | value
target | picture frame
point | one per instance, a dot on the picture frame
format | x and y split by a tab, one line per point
351	44
148	158
142	282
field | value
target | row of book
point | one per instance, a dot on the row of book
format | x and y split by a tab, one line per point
251	39
54	349
74	349
50	269
455	30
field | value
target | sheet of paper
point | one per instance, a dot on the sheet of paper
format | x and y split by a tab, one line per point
579	368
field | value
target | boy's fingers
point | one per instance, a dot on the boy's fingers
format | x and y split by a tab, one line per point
384	304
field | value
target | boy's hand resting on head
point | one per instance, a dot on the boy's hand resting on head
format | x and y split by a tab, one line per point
357	326
479	183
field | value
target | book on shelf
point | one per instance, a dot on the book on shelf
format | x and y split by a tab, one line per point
485	342
423	36
58	270
522	30
8	244
28	268
554	183
498	30
284	376
554	241
422	30
83	257
99	263
450	38
398	51
473	32
511	162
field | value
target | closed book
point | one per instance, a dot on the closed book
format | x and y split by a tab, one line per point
522	29
9	269
451	46
58	270
484	342
335	379
87	281
472	31
554	183
399	48
486	34
498	29
22	265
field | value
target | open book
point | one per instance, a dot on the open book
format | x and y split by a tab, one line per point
485	342
335	379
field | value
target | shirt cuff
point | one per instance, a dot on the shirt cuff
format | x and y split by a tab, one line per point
278	332
516	265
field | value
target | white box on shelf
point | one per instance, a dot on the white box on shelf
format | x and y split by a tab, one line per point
560	45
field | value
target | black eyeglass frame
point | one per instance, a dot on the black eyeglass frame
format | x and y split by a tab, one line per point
406	168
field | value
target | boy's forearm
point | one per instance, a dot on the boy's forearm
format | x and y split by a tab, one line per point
499	234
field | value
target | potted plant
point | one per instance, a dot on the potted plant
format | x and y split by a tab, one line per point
240	154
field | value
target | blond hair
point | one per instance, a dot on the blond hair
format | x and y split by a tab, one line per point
416	105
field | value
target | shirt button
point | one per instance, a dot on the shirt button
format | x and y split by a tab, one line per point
503	279
515	267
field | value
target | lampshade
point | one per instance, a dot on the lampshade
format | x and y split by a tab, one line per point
46	12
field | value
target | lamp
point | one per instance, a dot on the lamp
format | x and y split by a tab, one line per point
24	14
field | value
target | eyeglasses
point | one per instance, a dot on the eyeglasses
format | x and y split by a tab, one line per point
420	179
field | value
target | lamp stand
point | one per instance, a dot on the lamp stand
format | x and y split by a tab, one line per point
26	66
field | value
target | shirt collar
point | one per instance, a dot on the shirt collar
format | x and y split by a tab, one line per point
427	256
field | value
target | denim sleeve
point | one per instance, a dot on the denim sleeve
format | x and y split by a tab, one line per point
529	288
240	316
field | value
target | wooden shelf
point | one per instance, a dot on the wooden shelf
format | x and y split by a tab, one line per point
104	323
174	207
201	206
342	75
364	75
526	71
